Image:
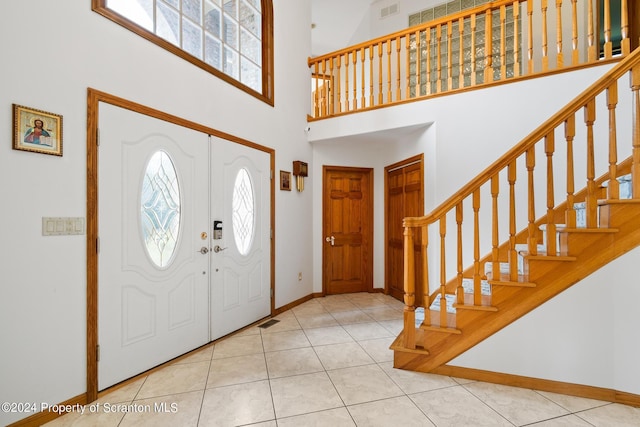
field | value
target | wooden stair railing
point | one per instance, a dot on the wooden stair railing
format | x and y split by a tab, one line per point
452	54
514	189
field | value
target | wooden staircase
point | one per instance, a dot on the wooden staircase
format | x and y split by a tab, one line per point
523	269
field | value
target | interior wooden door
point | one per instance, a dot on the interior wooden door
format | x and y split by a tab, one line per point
404	184
348	230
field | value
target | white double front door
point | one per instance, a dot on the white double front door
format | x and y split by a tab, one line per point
185	251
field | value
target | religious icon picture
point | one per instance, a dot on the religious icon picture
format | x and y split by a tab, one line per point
37	131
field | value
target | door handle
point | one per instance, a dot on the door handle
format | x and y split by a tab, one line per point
331	240
204	250
217	249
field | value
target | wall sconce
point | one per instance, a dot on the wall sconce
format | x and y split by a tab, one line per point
300	170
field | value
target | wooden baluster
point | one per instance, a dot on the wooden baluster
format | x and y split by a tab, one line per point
428	77
398	96
363	97
418	63
575	56
449	56
503	42
569	135
592	52
532	239
380	91
439	59
560	57
409	333
488	46
591	202
332	94
355	80
371	97
347	103
325	89
516	40
635	152
608	44
459	289
530	67
338	79
408	66
443	272
460	53
389	95
545	36
426	293
612	102
495	220
549	148
624	27
513	254
477	291
473	49
316	93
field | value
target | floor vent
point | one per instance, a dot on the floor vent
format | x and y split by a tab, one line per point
268	323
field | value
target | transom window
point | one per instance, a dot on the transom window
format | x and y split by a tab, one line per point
230	38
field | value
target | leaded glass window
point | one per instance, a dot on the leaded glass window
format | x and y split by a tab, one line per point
160	209
243	218
226	37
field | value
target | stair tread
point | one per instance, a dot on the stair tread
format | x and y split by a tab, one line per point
588	230
545	257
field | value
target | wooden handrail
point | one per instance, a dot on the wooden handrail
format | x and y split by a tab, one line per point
359	78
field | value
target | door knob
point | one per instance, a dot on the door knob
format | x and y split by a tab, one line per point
217	249
204	250
331	240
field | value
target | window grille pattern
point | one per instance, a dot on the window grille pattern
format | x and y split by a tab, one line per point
160	209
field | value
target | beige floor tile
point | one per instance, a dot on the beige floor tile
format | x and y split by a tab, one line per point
457	407
180	409
303	394
384	313
354	316
367	331
285	340
398	411
317	321
416	382
125	393
237	405
345	355
518	405
292	362
328	335
363	384
572	403
88	419
378	349
175	379
565	421
203	355
285	323
237	370
238	346
612	415
331	418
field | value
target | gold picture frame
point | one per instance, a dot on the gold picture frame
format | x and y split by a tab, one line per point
285	180
37	131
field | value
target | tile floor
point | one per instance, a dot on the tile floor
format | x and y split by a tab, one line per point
327	363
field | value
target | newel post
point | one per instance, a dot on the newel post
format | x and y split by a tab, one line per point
635	153
409	290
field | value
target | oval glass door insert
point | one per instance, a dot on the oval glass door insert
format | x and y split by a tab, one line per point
160	209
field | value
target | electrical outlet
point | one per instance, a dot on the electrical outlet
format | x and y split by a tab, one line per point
300	277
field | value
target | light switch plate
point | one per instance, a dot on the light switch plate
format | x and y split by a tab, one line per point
62	226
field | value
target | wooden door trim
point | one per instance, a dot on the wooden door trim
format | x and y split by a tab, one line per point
368	233
94	98
419	158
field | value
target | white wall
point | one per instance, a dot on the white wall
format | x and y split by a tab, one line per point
49	64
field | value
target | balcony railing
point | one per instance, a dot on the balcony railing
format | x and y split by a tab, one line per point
495	42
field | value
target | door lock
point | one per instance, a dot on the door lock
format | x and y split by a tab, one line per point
204	250
331	240
217	249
